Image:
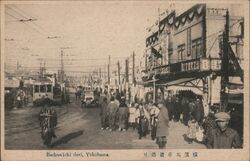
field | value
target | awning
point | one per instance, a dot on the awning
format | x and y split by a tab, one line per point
183	88
151	81
176	85
176	82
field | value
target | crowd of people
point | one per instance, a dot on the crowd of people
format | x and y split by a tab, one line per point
153	119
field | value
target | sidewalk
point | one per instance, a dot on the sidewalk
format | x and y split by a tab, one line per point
175	139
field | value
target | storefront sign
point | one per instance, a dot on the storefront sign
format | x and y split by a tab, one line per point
205	65
190	66
215	64
162	70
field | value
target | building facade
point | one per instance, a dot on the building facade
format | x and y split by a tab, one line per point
188	51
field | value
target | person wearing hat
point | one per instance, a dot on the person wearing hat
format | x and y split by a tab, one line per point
162	126
223	137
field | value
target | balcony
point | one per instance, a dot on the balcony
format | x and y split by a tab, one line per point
185	69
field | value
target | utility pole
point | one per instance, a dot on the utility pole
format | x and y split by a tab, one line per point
118	70
62	67
126	70
127	78
109	71
133	70
224	66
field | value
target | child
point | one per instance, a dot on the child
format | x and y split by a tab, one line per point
192	129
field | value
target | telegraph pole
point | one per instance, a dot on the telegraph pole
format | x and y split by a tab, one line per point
109	71
118	70
224	66
133	71
127	79
62	67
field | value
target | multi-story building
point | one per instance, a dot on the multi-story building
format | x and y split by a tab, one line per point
189	51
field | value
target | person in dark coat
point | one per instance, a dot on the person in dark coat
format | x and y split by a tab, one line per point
186	115
162	126
142	120
192	107
53	115
170	107
177	109
198	111
223	137
112	112
123	113
104	113
209	124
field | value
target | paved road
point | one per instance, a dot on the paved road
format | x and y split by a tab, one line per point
80	129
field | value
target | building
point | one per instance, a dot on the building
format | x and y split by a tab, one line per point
200	49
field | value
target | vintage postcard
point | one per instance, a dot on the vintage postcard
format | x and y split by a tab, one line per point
125	80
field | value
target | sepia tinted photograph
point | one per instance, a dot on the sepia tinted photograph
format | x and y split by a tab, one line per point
111	75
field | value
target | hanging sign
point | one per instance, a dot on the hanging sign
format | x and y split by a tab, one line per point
205	65
215	64
190	66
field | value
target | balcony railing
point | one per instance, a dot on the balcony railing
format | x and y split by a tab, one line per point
194	65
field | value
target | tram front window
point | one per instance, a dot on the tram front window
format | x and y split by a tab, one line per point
49	88
36	88
43	88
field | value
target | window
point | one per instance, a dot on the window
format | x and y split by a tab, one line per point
49	88
43	88
36	88
196	48
181	52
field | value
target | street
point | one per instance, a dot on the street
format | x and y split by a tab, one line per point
80	129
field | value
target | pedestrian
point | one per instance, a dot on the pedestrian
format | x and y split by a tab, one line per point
112	111
191	107
142	117
208	124
198	111
192	129
53	115
117	99
170	107
177	108
154	112
123	113
223	137
162	126
131	119
103	113
184	104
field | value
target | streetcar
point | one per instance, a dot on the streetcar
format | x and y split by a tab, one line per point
42	89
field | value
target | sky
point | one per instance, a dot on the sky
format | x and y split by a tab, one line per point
87	32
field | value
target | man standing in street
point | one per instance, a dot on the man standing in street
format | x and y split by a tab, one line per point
112	110
162	126
223	137
198	111
123	114
103	113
